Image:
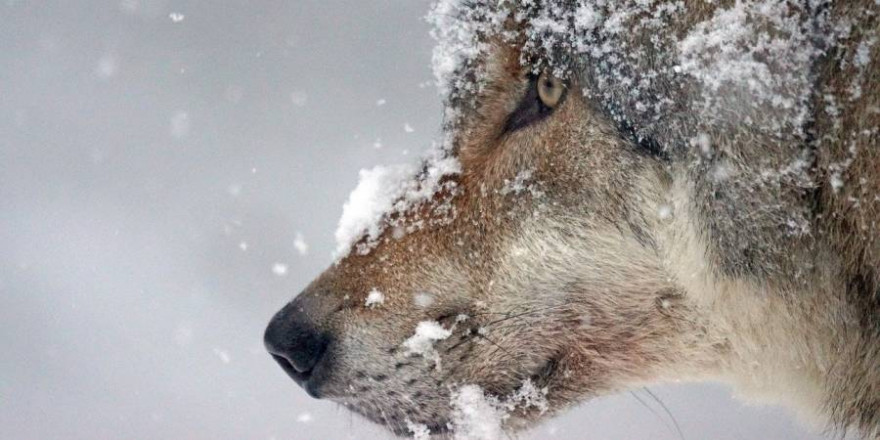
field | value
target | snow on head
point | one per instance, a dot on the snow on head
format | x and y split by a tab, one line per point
377	191
757	56
746	63
460	27
456	41
386	190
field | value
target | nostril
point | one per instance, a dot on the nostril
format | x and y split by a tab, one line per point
295	343
301	359
283	362
298	376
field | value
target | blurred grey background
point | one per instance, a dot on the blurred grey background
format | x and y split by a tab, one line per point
171	173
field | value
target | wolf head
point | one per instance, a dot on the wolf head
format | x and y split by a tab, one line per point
596	184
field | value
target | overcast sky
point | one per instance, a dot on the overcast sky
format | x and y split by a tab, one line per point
163	167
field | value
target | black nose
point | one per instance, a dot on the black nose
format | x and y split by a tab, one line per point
296	344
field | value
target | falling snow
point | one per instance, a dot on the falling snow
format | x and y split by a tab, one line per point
180	125
107	67
223	355
300	245
299	98
279	269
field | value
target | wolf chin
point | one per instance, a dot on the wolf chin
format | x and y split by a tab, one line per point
642	192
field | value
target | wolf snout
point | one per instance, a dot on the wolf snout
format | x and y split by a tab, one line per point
297	344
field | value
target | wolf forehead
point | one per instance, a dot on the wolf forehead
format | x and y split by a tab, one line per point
646	63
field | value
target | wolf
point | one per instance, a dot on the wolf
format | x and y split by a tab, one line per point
629	192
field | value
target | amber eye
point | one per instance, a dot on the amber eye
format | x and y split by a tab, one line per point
545	92
550	89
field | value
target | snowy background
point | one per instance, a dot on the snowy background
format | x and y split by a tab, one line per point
171	172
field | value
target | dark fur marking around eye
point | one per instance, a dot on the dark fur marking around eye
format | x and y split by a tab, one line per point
530	109
646	144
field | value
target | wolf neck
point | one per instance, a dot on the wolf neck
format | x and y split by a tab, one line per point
798	344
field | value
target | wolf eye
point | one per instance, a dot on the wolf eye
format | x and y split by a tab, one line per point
544	94
550	89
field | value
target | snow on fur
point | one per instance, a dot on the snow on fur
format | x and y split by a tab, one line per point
476	416
427	333
418	430
457	27
387	190
750	61
758	56
374	299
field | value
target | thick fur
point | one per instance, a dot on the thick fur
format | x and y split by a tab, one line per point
742	253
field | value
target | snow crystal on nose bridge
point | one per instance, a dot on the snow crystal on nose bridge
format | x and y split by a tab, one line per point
386	190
